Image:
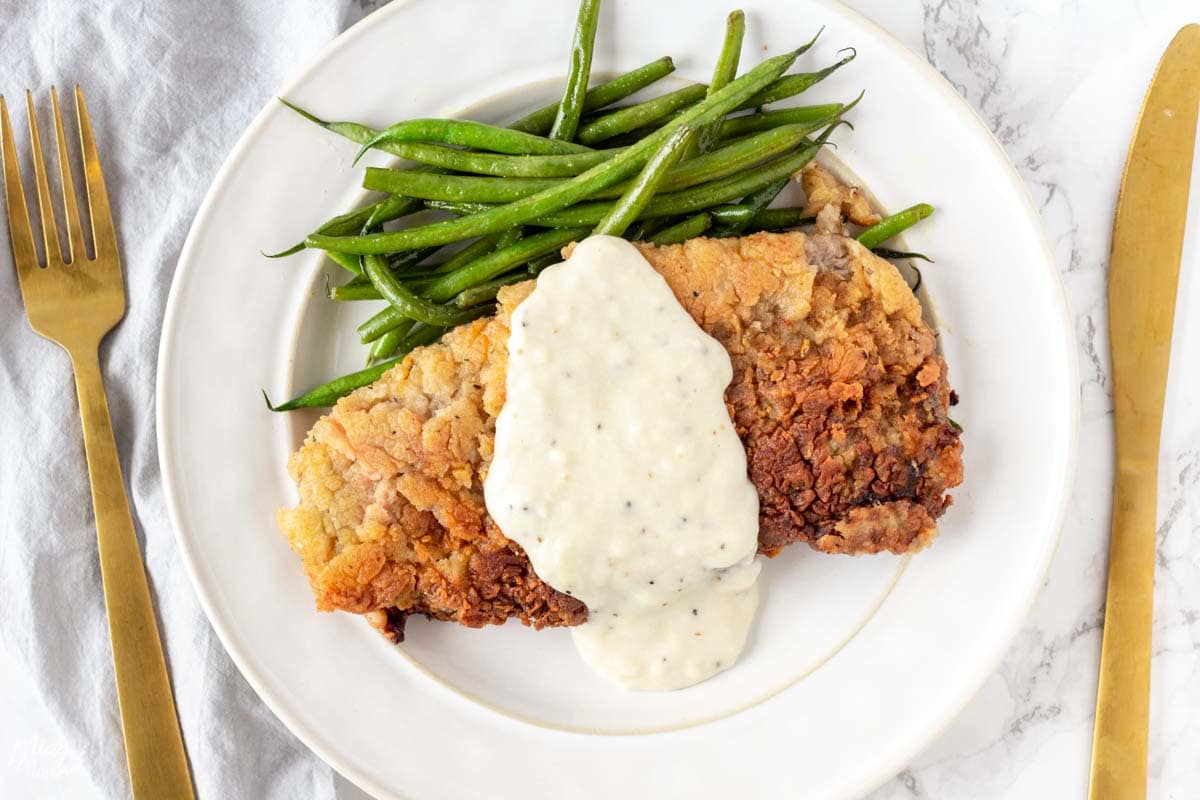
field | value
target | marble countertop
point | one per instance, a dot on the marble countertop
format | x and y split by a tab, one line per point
1059	84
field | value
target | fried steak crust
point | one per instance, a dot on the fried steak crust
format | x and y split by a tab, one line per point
839	395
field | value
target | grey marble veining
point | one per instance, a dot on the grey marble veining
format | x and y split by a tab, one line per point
1059	85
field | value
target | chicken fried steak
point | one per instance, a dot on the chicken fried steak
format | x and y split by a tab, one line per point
839	395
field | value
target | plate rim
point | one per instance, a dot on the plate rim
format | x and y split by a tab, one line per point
883	769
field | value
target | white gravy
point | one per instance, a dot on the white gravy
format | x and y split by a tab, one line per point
616	467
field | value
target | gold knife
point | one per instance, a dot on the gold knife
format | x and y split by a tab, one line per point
1147	246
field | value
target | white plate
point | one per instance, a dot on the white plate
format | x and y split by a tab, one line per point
854	664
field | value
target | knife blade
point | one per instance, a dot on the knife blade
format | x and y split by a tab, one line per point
1147	245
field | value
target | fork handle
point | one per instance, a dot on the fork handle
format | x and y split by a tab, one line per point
153	745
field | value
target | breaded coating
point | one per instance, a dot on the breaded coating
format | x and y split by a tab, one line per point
827	200
391	512
838	394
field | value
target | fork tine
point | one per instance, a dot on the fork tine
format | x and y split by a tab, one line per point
19	229
75	242
45	207
104	235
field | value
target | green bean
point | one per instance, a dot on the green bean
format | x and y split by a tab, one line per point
485	268
510	237
728	160
731	159
649	226
352	292
783	88
640	115
771	219
403	263
560	166
476	249
418	333
345	261
408	278
734	127
580	215
500	261
701	197
385	346
731	50
804	48
633	137
357	280
767	120
595	115
529	166
474	297
566	119
637	231
404	300
538	264
682	231
328	393
792	85
724	71
400	263
587	183
488	290
360	218
730	214
755	201
762	198
629	206
443	157
353	222
354	131
287	251
460	207
471	188
697	198
884	252
470	134
427	334
419	285
888	227
390	209
539	122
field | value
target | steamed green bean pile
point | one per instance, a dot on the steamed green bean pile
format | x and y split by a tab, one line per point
478	207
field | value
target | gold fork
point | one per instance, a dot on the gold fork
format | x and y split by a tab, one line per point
74	301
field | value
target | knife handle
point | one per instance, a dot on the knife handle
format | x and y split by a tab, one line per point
1123	698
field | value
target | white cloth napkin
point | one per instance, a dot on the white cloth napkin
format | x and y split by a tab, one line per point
170	87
